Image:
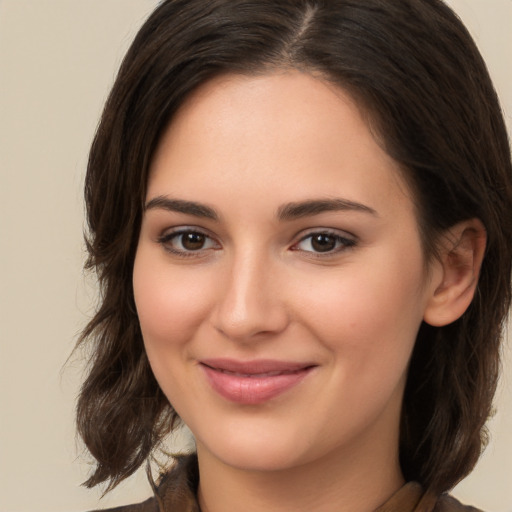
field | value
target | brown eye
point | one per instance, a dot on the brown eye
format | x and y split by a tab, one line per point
187	242
193	241
323	242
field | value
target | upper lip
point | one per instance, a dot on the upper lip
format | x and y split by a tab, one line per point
256	366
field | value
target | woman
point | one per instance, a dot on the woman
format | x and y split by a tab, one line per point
299	213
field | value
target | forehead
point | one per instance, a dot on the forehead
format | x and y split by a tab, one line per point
285	135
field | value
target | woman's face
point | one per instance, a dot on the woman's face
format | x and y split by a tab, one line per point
279	277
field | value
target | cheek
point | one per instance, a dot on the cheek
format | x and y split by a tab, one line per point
367	309
170	305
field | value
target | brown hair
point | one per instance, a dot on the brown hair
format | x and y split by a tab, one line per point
417	73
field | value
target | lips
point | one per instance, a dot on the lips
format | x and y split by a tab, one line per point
253	382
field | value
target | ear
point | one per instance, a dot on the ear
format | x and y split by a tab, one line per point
455	279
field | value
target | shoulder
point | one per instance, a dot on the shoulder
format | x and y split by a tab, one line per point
447	503
175	492
150	505
413	498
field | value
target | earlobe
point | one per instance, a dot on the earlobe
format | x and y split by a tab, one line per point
461	254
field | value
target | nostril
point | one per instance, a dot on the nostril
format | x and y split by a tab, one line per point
250	324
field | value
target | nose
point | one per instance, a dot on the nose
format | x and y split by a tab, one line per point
251	300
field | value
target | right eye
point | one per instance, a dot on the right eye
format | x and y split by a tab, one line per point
187	242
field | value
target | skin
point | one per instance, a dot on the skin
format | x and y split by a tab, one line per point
243	148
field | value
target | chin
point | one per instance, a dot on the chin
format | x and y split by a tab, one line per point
256	459
254	451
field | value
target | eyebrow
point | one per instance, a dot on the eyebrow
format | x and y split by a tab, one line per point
312	207
286	212
181	206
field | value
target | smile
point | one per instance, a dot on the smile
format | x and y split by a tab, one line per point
253	382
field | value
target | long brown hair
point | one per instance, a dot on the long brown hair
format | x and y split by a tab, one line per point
415	71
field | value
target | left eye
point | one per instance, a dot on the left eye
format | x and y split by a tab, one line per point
323	243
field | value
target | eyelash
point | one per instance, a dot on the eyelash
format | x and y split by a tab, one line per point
342	243
166	239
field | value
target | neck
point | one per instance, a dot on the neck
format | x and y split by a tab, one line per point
338	482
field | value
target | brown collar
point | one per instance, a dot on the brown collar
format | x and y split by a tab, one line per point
178	489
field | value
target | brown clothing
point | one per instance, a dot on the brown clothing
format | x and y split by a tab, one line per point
177	493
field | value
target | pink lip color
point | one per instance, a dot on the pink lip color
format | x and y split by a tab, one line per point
253	382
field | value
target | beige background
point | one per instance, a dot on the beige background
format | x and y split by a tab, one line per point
57	61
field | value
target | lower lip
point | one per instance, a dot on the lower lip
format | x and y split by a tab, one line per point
251	390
